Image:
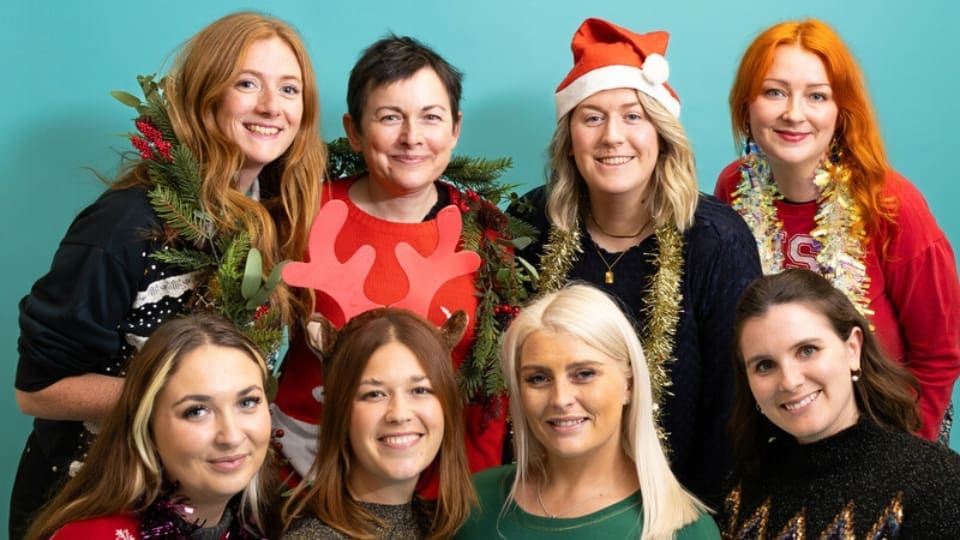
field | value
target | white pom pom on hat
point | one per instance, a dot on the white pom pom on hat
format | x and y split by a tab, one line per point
606	56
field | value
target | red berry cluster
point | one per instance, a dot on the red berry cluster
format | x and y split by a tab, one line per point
505	314
152	140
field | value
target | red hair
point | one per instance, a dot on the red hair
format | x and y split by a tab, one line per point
857	132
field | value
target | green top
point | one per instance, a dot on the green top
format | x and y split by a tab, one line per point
620	520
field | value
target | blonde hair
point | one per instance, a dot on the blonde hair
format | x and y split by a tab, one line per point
673	188
586	313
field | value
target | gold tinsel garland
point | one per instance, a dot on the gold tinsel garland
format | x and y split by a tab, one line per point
838	228
661	306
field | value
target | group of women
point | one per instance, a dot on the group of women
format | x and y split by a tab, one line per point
620	385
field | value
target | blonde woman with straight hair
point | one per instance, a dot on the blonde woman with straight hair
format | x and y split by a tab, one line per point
621	210
588	456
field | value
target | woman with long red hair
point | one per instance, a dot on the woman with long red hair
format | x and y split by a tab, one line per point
816	189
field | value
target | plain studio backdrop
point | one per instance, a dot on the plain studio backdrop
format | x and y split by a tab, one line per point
62	59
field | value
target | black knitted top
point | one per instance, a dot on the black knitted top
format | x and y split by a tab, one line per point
719	261
863	482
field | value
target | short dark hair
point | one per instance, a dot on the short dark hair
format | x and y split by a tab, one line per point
886	392
396	58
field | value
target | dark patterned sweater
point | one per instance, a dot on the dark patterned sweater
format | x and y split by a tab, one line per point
719	261
101	299
863	482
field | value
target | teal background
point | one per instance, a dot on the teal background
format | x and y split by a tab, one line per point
61	60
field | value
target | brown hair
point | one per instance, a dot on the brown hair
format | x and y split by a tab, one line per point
123	471
397	58
278	225
857	132
328	496
886	392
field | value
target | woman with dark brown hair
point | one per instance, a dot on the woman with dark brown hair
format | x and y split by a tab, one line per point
393	421
822	425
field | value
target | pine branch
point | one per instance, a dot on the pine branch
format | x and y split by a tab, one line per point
188	259
180	217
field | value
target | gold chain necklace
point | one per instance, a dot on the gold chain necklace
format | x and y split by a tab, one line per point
608	276
662	300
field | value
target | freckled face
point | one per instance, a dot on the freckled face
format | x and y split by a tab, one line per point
795	116
396	425
262	109
613	142
211	425
799	371
573	396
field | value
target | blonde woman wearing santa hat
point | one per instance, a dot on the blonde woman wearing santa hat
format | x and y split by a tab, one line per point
621	210
815	187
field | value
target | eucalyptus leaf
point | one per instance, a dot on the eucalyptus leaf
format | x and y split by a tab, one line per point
258	298
521	242
126	98
275	276
252	274
530	269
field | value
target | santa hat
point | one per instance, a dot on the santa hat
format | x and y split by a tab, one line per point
606	56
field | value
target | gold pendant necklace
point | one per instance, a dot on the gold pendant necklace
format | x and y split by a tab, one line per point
608	275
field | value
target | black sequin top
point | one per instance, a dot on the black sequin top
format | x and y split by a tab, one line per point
863	482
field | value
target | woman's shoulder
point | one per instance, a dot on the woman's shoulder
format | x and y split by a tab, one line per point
114	527
495	477
915	229
118	216
727	180
919	458
703	528
717	226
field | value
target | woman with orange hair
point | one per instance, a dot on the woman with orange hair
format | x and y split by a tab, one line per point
238	110
815	187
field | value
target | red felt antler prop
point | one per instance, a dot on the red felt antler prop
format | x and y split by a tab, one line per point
343	282
427	274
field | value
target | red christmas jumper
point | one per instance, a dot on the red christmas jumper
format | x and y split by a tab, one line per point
385	284
914	290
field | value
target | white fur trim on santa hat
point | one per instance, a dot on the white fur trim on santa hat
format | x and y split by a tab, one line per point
609	77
